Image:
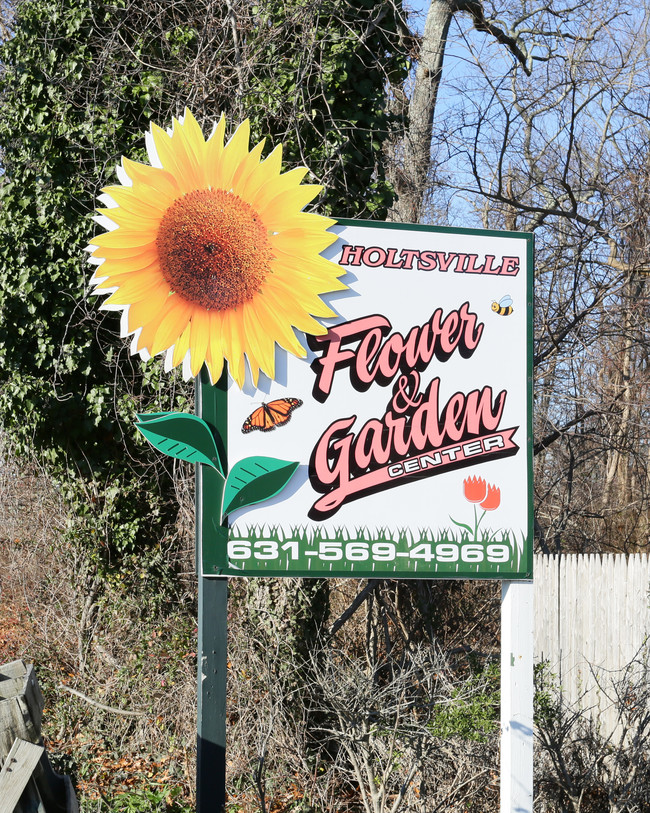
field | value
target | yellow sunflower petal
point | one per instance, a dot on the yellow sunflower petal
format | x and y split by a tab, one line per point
261	195
291	291
287	205
281	332
307	268
129	220
212	255
301	319
123	238
244	170
233	154
293	240
267	170
215	354
136	290
199	339
145	314
215	368
234	347
152	183
214	144
126	198
181	347
172	156
309	221
194	136
189	135
133	254
150	325
256	335
172	325
145	270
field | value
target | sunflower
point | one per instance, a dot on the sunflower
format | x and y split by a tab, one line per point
209	254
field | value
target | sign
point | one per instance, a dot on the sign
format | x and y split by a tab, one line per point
396	441
401	446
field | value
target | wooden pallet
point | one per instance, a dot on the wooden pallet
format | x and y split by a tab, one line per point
27	782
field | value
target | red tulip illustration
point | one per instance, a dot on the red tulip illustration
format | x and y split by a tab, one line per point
492	499
475	489
478	491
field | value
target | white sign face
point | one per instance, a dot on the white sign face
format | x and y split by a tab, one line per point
409	420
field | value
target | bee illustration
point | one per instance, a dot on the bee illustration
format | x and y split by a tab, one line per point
504	306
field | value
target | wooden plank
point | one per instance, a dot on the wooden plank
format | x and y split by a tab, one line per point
570	677
561	603
12	678
21	710
17	771
15	723
635	617
545	587
593	650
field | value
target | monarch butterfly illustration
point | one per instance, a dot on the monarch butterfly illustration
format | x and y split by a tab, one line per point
268	416
504	306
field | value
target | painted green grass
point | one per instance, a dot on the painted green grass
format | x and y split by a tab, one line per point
296	552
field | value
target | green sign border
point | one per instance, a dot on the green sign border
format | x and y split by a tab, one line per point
212	407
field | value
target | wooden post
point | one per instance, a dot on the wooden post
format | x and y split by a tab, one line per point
517	697
211	405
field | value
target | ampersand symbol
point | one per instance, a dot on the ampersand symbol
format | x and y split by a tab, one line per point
407	393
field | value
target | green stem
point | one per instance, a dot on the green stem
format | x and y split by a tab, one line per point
477	523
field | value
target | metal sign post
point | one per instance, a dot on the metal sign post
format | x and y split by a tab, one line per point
212	659
211	696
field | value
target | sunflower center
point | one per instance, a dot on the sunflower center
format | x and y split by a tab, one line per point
213	249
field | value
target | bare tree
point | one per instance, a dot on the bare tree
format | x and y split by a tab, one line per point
583	769
537	120
411	160
389	723
384	722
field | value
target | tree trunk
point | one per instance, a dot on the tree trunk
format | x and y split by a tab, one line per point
410	172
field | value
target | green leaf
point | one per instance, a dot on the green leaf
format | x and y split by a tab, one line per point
461	525
256	479
183	436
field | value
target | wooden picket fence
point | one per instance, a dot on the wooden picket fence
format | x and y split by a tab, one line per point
592	619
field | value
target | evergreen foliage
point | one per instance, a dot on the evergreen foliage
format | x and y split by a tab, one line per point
81	81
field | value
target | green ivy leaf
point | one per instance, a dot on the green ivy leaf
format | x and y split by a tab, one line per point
182	436
256	479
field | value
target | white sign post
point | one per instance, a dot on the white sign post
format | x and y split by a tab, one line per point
517	697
